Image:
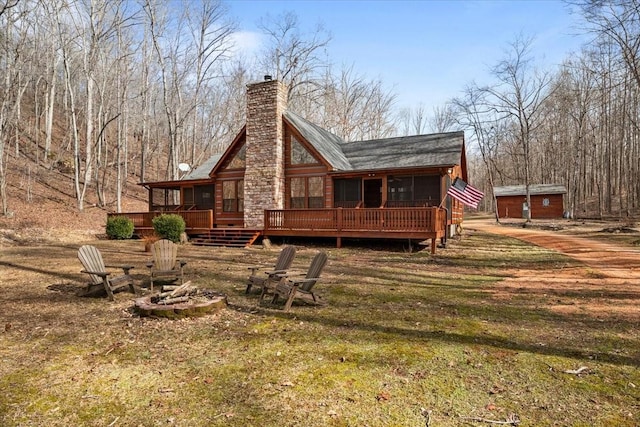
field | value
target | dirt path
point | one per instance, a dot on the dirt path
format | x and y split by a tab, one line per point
607	259
612	272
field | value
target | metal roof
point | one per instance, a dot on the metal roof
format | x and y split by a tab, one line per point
534	189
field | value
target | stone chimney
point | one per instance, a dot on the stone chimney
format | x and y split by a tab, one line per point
264	172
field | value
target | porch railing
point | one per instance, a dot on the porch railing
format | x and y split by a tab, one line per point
193	219
425	219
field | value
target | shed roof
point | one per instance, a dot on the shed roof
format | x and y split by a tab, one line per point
534	189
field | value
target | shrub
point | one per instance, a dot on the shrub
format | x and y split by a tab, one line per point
119	228
169	226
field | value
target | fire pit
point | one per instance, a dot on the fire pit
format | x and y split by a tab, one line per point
175	302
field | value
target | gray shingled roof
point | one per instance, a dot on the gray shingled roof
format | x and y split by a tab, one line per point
441	149
203	171
326	143
534	189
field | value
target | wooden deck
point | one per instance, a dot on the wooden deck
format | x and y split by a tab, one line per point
416	223
420	223
196	221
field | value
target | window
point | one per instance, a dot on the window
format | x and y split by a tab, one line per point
187	197
418	190
233	196
346	192
307	192
316	192
299	154
238	161
426	190
165	199
297	193
400	188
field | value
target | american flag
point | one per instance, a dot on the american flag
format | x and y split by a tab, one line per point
465	193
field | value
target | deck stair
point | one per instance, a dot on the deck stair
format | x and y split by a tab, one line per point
228	237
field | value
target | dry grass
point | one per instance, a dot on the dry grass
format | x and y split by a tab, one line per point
484	330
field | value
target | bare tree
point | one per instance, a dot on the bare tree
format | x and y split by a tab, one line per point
519	96
619	22
12	84
443	119
210	34
356	108
297	59
472	112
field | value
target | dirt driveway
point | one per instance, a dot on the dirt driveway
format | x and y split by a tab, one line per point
611	271
607	259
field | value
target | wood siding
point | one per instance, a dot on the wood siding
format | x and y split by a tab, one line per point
511	206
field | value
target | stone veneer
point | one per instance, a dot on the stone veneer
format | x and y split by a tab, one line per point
264	173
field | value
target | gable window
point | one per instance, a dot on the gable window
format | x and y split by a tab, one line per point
299	154
238	161
306	192
233	196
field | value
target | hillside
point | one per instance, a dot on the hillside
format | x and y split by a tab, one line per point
43	207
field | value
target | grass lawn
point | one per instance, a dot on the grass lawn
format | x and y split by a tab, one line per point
488	330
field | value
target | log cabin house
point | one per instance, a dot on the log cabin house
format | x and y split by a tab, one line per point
284	176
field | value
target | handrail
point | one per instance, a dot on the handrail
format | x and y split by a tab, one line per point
192	218
420	219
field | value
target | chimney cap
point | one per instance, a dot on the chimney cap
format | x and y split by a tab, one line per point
267	77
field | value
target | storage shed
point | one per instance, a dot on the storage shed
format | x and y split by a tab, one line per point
547	201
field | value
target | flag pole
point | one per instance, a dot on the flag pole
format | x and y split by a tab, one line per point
447	193
442	202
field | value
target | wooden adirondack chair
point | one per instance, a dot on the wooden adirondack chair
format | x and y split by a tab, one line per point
283	262
165	263
94	266
291	288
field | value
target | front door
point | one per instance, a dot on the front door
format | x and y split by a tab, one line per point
372	193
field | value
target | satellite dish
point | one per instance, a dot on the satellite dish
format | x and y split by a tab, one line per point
184	167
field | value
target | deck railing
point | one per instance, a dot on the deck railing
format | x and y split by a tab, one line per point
202	219
426	219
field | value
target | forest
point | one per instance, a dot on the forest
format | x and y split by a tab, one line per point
112	92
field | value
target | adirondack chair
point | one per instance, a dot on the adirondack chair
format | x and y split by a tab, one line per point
165	264
94	266
283	262
291	288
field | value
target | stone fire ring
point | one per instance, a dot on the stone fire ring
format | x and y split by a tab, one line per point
213	303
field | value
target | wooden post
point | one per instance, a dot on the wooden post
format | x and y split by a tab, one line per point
338	242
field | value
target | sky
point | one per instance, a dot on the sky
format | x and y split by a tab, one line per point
424	51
